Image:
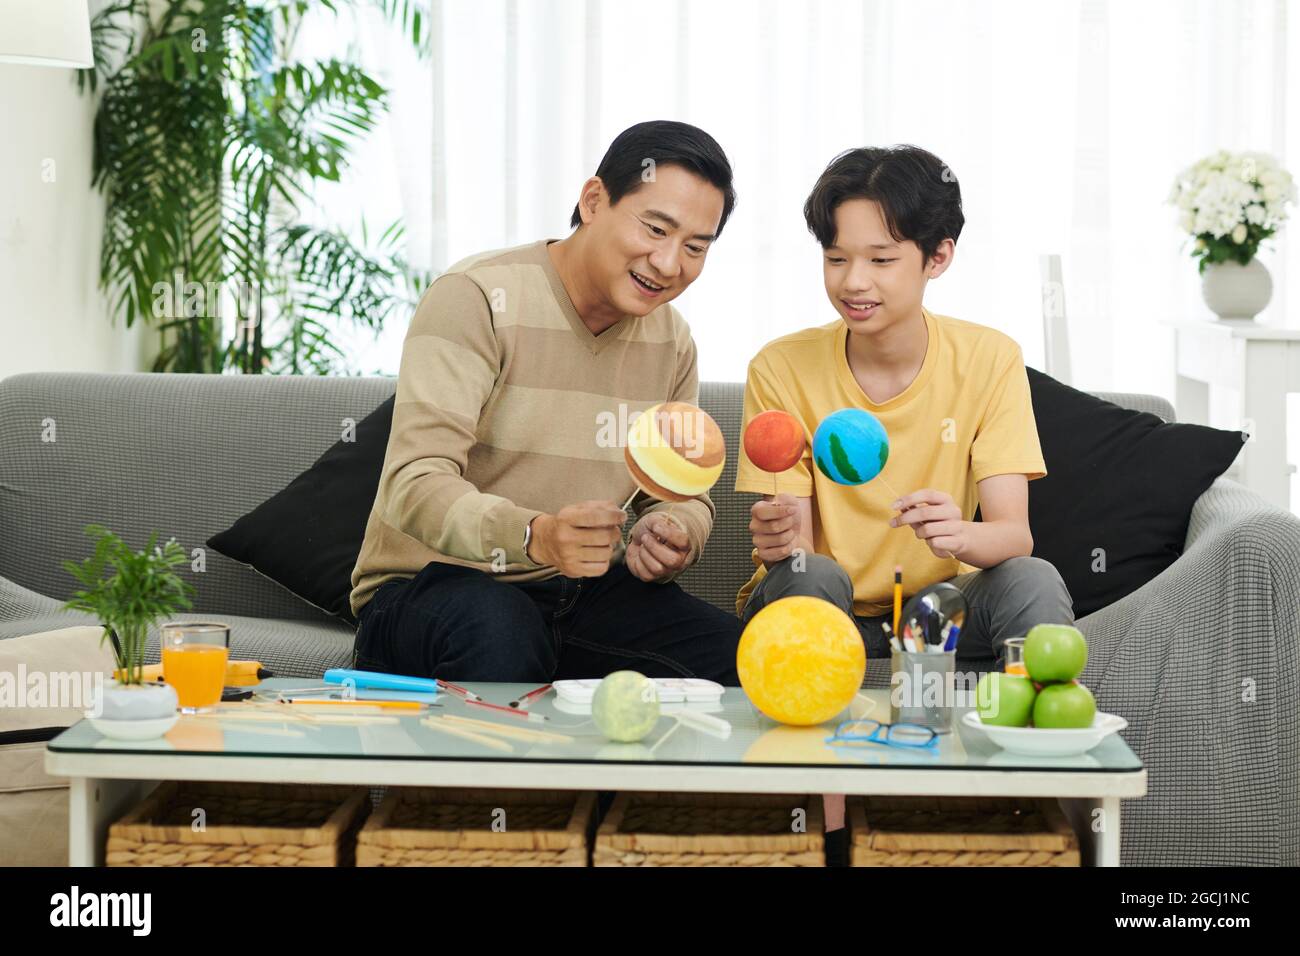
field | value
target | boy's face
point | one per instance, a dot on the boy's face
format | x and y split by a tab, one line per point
650	245
874	280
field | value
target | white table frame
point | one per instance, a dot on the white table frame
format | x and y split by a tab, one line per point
1262	364
104	785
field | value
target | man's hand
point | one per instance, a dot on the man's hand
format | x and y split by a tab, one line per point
658	547
935	519
776	527
579	540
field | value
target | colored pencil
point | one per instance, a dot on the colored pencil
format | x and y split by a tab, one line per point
898	595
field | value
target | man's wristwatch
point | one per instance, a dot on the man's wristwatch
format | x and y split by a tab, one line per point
528	536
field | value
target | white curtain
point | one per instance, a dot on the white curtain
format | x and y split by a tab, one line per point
1065	123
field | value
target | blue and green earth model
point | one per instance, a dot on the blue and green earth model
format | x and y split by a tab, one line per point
850	446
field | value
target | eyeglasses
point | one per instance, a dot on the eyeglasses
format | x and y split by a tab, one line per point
890	735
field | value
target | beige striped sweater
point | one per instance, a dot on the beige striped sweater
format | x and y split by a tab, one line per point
507	406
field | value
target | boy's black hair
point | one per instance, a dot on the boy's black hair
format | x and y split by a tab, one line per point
917	192
668	143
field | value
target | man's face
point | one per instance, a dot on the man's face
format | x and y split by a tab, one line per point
871	278
651	245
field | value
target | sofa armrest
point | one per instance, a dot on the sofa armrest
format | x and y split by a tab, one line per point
1204	662
23	611
19	603
1227	504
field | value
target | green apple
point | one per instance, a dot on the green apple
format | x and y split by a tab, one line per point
1064	706
1055	652
1005	700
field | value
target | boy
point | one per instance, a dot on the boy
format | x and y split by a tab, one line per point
954	399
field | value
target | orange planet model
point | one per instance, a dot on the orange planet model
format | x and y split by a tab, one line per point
774	441
675	451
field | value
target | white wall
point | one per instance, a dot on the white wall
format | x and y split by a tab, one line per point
52	315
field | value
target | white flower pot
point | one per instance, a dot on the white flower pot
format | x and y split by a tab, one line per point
1236	293
134	712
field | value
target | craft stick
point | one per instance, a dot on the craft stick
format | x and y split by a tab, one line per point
272	731
265	731
668	733
280	707
440	724
356	719
269	708
520	733
252	715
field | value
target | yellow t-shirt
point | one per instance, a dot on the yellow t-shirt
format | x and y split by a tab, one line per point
967	415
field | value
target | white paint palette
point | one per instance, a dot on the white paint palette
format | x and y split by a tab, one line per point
671	690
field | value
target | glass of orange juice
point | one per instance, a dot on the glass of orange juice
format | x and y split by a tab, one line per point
1015	656
194	655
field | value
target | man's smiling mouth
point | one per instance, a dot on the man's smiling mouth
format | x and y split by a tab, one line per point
647	284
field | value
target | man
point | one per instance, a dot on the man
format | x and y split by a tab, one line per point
494	547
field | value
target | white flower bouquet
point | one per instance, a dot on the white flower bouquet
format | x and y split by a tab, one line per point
1230	203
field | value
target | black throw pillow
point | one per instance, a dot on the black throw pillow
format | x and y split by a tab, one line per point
306	538
1119	490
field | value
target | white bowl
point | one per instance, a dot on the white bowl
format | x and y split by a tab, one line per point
134	729
1044	742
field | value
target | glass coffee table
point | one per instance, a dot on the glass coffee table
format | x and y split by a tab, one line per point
758	755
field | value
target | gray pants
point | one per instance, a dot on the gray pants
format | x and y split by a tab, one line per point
1004	601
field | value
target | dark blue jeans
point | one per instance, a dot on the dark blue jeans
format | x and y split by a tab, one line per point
463	624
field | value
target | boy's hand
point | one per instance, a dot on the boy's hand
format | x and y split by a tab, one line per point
579	539
657	547
935	519
775	526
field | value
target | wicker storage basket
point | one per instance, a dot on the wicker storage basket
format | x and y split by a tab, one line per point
711	829
446	826
245	824
960	831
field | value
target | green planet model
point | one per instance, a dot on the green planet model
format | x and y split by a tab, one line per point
625	706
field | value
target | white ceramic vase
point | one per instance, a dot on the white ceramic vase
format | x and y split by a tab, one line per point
1236	293
135	712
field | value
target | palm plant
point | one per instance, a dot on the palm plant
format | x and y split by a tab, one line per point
209	136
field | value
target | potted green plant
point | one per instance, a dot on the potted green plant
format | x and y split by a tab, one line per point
130	591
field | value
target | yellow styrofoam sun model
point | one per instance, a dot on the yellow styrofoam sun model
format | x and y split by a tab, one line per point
801	660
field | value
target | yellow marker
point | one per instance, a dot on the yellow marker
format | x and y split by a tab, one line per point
238	673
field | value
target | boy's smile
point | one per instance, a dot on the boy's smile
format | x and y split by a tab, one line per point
860	310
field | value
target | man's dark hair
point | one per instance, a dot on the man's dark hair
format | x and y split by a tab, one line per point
668	143
918	195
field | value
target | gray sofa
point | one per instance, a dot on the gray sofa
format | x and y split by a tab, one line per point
1203	661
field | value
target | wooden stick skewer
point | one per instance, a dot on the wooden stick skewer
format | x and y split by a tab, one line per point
519	733
442	725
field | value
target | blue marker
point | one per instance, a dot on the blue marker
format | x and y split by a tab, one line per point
369	680
951	643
